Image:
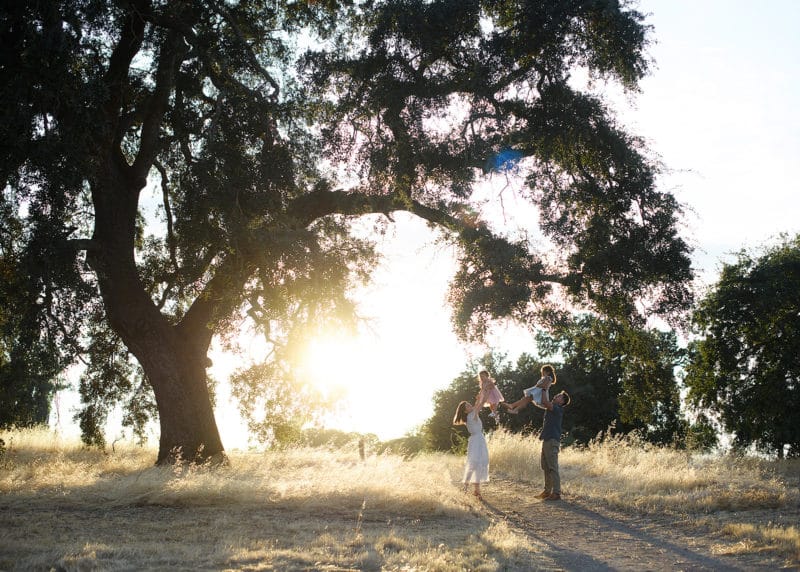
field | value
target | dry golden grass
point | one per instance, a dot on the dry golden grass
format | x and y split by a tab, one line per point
627	473
68	508
783	539
751	499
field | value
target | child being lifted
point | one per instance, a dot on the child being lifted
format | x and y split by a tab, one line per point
534	393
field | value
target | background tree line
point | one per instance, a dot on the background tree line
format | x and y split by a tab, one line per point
617	377
739	373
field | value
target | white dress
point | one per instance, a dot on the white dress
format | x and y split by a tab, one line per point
535	392
476	469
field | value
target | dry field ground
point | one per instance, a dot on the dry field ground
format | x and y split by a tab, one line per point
626	507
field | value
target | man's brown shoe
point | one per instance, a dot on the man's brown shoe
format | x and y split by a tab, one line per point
554	496
543	495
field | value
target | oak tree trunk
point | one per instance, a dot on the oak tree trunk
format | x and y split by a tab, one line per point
177	374
174	361
173	357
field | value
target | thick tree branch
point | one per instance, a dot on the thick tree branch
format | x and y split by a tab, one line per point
215	302
171	239
251	57
157	106
321	203
130	42
116	77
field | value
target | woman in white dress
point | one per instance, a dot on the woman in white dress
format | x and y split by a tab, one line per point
476	468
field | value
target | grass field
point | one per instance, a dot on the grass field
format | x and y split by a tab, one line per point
63	507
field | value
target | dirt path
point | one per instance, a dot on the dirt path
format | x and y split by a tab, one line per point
575	534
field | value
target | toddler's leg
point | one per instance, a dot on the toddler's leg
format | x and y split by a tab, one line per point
514	408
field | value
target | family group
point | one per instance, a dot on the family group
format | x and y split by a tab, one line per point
476	470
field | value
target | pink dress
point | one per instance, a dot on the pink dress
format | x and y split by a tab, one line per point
492	394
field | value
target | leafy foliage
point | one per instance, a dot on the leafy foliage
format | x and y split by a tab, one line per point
618	377
438	97
257	152
34	345
744	368
111	378
278	406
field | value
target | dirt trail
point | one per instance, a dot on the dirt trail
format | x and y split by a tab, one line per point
575	534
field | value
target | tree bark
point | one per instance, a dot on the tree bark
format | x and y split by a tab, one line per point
173	357
174	362
177	374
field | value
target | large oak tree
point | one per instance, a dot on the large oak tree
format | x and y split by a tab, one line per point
267	125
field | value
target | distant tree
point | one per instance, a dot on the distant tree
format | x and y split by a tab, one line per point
745	367
255	153
32	355
619	374
616	375
702	435
408	445
317	437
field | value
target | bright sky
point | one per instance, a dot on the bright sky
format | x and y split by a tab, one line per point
720	109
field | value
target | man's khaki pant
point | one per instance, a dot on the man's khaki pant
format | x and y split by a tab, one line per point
552	480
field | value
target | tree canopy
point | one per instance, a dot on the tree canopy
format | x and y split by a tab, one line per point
30	356
261	129
745	365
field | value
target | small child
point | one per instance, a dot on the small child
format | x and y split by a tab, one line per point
491	394
535	393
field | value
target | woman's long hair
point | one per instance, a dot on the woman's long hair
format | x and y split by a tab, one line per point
461	413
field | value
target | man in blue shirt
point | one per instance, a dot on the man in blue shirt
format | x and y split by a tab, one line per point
551	443
550	437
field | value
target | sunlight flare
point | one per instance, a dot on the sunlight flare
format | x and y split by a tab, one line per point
335	363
